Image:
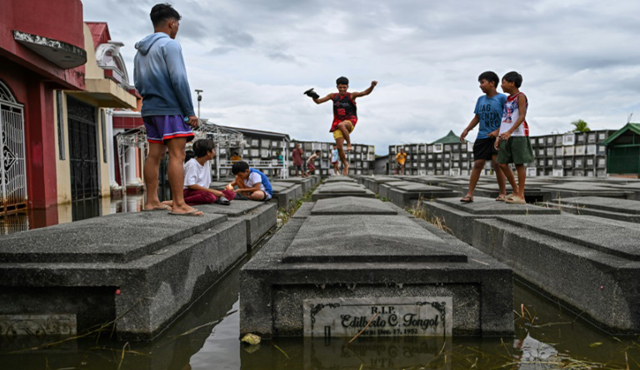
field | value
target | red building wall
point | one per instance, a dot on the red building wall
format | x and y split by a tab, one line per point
33	79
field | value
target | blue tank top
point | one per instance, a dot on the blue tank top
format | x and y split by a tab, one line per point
265	181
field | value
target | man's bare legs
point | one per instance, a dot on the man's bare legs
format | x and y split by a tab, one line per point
151	171
343	158
499	177
476	170
176	175
344	127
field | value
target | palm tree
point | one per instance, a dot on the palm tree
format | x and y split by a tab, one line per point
581	126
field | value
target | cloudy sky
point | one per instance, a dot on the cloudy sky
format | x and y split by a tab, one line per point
254	58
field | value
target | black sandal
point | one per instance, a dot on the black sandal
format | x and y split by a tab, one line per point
466	199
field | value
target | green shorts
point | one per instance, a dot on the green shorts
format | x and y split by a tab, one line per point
515	150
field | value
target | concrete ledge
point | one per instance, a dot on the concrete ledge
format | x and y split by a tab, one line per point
341	189
593	271
459	217
578	189
259	217
612	208
403	198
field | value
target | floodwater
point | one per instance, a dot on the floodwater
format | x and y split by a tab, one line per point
65	213
206	337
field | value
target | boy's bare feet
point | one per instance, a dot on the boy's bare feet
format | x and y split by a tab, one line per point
345	171
156	207
186	210
349	147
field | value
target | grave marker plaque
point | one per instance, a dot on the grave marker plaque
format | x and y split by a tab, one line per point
387	317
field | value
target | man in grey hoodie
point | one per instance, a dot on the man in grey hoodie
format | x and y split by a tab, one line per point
161	78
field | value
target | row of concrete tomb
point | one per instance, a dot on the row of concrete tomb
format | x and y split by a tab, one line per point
345	253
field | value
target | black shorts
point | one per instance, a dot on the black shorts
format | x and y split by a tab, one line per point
484	149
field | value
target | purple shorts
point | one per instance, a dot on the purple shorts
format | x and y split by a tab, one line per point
164	128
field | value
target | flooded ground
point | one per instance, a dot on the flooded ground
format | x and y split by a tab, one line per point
65	213
206	337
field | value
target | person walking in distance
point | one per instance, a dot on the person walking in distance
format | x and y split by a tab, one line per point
298	162
160	76
401	158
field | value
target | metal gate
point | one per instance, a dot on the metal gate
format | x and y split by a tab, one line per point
83	153
12	156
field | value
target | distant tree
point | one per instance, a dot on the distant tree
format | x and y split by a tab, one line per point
580	126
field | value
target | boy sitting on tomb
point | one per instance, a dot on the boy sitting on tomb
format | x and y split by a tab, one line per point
252	184
197	178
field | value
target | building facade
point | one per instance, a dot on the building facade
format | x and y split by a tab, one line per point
362	158
82	135
569	154
37	57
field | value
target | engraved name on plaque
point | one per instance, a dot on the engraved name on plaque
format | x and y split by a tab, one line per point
378	317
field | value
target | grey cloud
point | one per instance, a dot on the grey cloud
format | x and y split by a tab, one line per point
220	51
280	56
234	37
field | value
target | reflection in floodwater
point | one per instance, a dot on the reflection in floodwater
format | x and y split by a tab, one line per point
69	212
536	355
370	353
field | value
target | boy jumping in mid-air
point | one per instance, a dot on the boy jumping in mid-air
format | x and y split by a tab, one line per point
310	166
252	184
513	143
488	113
345	114
197	178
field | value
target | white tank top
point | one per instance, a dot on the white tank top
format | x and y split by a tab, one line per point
510	115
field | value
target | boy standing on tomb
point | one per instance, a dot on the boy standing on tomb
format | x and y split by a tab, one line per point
488	113
513	143
345	114
161	78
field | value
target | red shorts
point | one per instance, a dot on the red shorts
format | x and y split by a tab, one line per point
336	121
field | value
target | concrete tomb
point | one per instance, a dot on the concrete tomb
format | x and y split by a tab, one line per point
286	193
613	208
590	263
404	192
343	262
141	270
459	217
259	217
580	189
340	189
